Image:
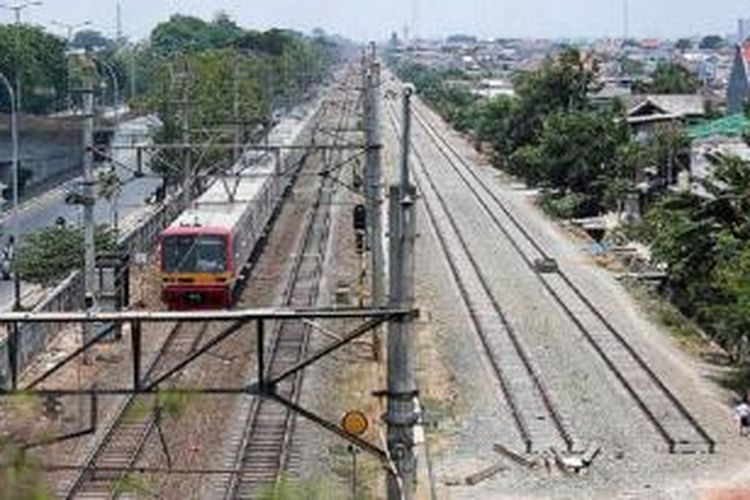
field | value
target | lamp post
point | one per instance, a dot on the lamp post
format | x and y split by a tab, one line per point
115	86
17	9
116	106
14	211
70	29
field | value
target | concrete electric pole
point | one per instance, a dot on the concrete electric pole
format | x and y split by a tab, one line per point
400	415
14	174
87	94
236	109
372	177
182	78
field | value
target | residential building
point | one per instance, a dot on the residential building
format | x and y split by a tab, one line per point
644	111
716	137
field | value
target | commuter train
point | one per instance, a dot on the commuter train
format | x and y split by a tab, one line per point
203	254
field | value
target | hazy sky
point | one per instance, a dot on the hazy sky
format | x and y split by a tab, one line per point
375	19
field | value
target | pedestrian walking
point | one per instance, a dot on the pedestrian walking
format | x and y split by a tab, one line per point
743	417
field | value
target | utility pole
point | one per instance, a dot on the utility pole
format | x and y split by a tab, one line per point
236	108
17	13
132	72
14	212
70	29
87	94
626	20
118	21
400	416
182	79
115	88
372	179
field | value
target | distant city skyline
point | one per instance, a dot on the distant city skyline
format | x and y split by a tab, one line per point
362	20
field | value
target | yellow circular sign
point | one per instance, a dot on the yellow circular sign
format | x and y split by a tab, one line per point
355	422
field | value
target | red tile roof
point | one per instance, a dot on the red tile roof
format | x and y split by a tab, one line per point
746	51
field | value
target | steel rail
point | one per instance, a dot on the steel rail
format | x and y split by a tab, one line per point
146	423
443	146
287	349
520	351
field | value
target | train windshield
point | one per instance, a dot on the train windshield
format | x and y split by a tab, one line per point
193	254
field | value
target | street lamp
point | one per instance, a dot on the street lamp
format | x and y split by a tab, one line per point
116	106
14	212
115	86
17	9
70	28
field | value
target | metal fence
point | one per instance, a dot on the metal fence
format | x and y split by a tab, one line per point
68	295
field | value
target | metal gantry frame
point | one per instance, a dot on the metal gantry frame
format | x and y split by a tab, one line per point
264	386
396	311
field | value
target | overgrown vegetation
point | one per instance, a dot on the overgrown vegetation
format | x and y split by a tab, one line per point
216	66
584	159
669	78
43	72
226	73
704	241
48	255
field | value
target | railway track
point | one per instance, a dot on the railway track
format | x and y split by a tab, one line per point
264	448
535	415
123	442
675	424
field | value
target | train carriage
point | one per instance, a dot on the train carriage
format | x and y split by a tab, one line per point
204	251
202	255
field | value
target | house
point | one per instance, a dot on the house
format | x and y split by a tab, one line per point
716	137
738	87
645	111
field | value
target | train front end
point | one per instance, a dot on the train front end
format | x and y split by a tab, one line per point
196	268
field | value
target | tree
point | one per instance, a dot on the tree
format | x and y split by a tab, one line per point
668	149
711	42
183	34
269	68
41	59
91	39
48	255
670	78
562	84
579	150
684	44
631	66
704	241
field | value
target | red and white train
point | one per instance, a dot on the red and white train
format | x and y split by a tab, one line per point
203	254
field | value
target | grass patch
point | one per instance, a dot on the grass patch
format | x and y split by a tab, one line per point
435	412
736	379
684	331
291	489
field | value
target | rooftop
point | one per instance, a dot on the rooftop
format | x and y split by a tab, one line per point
729	126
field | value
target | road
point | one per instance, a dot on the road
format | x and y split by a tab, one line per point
45	209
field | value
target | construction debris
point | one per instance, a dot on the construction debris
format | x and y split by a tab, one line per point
484	474
502	450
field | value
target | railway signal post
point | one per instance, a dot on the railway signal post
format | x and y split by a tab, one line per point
401	417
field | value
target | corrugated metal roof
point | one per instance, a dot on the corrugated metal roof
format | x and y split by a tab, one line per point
729	126
678	104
